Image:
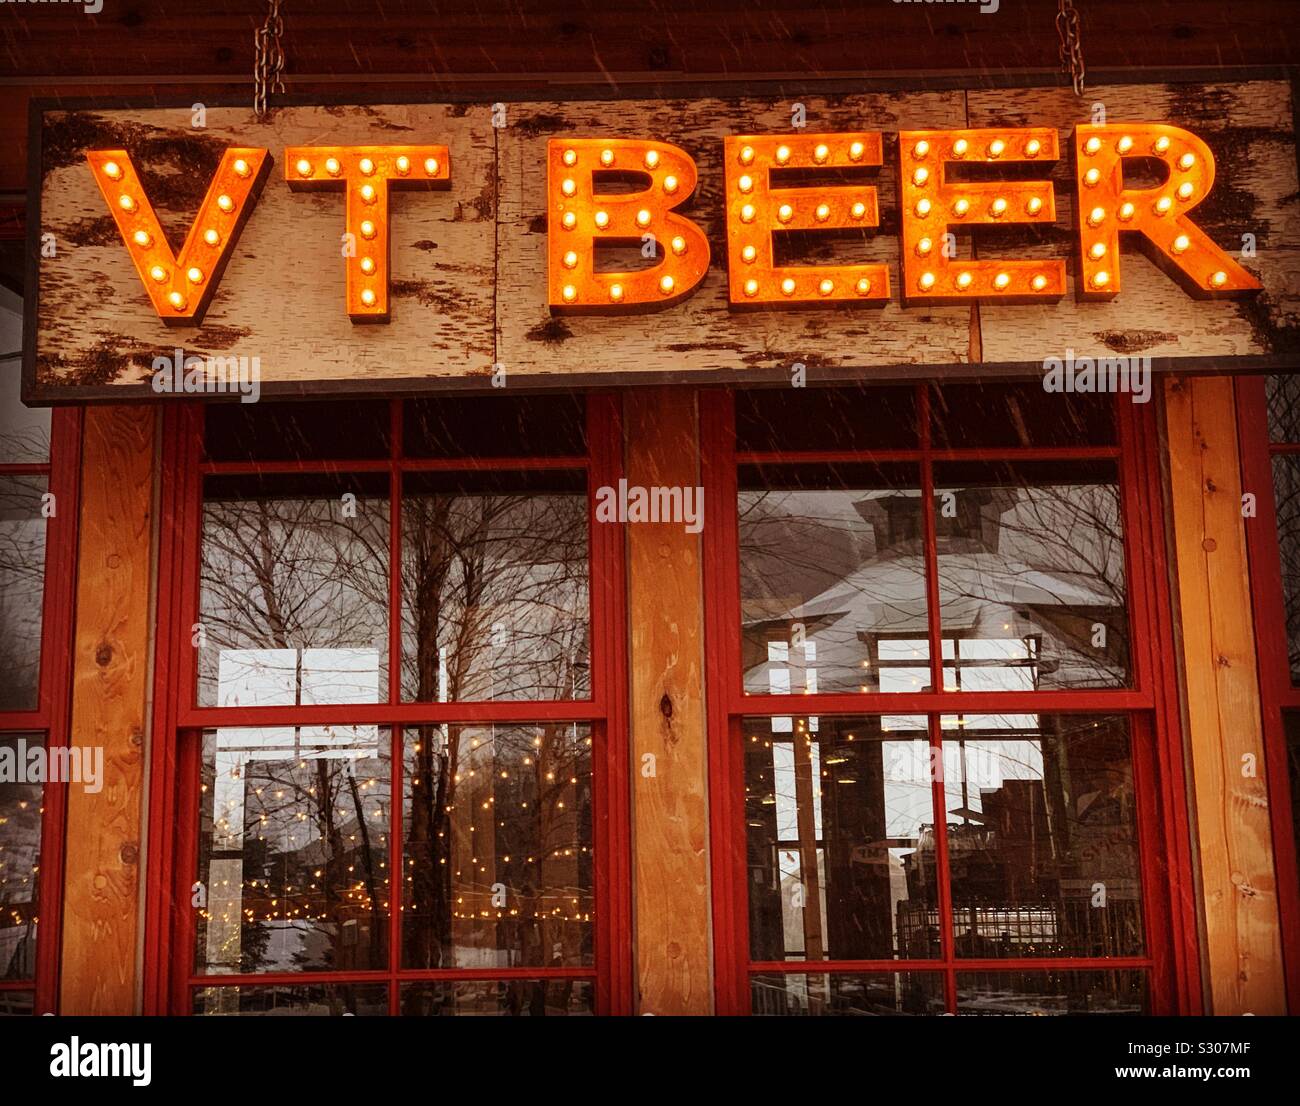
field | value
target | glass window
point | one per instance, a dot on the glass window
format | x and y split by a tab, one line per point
22	803
293	605
840	817
838	995
495	586
497	867
378	592
832	578
293	850
37	531
23	512
1031	575
534	998
1042	836
1054	992
1028	557
921	591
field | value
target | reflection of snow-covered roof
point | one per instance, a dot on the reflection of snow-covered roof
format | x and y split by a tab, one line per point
888	595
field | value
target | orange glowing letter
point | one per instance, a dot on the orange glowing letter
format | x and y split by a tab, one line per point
581	215
930	204
1106	207
756	208
180	286
366	173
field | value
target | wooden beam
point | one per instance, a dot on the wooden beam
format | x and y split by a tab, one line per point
669	753
1242	955
110	691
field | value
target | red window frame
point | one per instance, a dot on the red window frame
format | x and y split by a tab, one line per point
1150	702
54	689
1277	694
178	721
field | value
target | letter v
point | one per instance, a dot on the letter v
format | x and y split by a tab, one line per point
181	286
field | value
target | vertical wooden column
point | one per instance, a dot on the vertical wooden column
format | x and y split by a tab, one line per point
1243	953
667	718
110	692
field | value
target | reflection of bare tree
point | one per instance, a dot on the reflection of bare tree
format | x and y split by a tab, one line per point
20	862
1034	558
1283	394
22	574
495	597
283	572
1054	555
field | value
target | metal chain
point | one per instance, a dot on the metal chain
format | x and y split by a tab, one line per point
1067	27
268	68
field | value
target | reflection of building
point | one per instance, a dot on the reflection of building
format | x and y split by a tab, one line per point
1026	577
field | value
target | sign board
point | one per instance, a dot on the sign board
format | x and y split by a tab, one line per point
409	247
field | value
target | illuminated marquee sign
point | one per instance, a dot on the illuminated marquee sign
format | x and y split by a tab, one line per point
582	215
636	237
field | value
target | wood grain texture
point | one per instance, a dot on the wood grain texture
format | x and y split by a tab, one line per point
281	297
1243	955
670	806
469	266
360	38
1249	128
110	691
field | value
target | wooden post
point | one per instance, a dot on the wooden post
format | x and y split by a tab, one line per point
1242	954
669	754
110	692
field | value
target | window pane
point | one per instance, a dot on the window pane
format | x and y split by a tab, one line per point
832	579
293	599
1291	724
532	998
886	993
1051	993
1031	576
1042	836
495	596
293	849
840	830
1283	408
498	860
22	589
357	430
1286	489
495	426
20	858
24	431
17	1004
784	420
302	999
964	416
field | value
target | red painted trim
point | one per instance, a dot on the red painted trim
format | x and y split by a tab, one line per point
1272	650
848	456
407	464
959	964
273	979
178	721
1150	702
